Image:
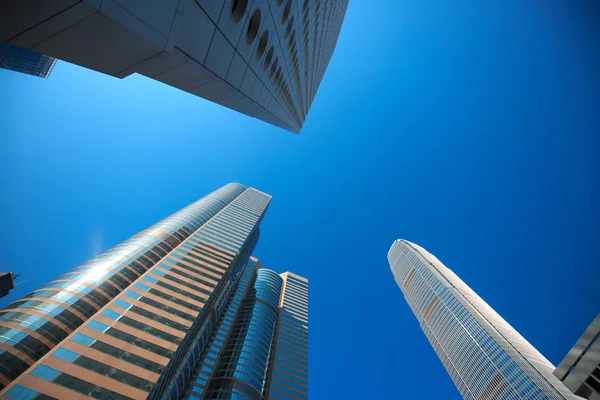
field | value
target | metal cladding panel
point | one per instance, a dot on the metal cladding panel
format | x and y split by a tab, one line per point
485	357
263	58
580	369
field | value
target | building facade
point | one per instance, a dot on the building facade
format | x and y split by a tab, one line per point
263	58
260	349
25	61
139	320
486	358
580	370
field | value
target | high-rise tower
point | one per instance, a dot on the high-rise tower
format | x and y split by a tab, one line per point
25	61
263	58
260	348
139	320
580	369
485	357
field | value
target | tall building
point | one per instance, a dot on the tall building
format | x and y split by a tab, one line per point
580	370
6	283
267	311
175	306
263	58
486	358
28	62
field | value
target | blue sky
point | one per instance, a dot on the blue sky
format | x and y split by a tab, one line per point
470	128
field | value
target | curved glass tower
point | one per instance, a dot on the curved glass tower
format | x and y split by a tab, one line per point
485	357
242	369
259	349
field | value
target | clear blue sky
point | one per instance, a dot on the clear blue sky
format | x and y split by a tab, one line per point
470	128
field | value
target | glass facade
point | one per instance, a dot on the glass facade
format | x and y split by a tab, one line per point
242	367
289	377
179	310
485	357
580	369
259	349
131	319
28	62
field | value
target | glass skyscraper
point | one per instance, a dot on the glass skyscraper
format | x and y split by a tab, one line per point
179	310
580	369
26	61
486	358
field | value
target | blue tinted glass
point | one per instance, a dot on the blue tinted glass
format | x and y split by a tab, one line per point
164	267
111	314
82	339
142	286
196	389
122	304
132	294
156	272
19	392
47	373
97	326
65	354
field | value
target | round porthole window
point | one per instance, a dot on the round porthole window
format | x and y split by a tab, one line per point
253	26
286	11
238	8
268	58
288	29
262	44
273	68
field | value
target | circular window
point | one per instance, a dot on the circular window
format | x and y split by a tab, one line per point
253	26
238	8
288	29
268	58
286	11
262	44
273	68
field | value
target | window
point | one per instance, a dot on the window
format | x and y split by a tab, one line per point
18	392
110	314
97	326
253	26
238	7
262	44
44	372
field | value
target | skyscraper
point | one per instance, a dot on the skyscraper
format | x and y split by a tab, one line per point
143	319
267	311
485	357
580	369
28	62
264	58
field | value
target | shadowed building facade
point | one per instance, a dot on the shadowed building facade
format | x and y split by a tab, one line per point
263	58
486	358
580	370
138	320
